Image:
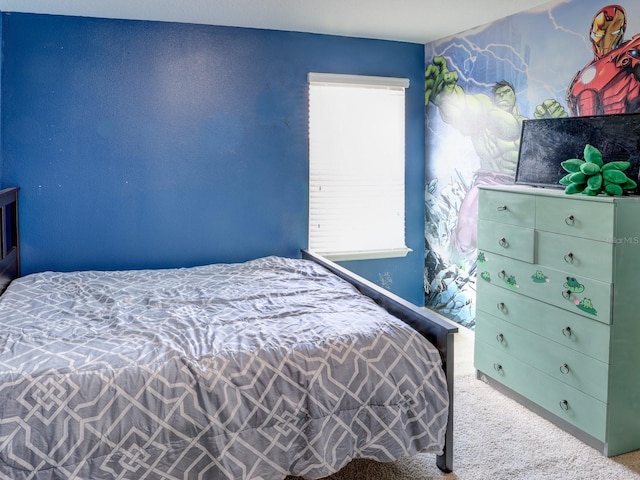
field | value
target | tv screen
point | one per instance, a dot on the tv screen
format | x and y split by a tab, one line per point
546	143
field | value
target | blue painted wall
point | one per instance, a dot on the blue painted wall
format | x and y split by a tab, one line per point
148	144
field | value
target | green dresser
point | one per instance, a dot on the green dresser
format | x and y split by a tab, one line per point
557	325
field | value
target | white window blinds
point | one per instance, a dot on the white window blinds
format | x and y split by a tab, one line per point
356	157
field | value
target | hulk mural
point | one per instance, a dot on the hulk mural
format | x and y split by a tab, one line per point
478	89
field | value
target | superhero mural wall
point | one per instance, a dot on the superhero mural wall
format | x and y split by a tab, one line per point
565	58
610	82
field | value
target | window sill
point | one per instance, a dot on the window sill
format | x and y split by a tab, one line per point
365	254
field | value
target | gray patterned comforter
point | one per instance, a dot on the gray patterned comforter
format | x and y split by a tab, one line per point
254	371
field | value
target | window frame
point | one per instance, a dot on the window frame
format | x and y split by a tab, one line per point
396	247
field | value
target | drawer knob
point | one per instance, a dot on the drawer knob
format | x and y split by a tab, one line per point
570	220
503	242
500	338
502	307
566	294
564	405
502	208
566	331
497	367
502	274
564	369
568	257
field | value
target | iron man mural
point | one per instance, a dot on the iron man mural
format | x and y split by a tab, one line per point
557	60
611	82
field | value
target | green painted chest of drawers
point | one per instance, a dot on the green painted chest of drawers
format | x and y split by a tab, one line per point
558	308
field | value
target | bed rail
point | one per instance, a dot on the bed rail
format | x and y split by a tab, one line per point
437	330
9	237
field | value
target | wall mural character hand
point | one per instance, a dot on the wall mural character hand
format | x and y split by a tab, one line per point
550	109
438	79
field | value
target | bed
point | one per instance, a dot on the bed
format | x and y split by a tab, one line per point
255	370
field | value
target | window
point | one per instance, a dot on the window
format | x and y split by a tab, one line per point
356	166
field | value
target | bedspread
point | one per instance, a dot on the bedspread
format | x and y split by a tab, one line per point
253	370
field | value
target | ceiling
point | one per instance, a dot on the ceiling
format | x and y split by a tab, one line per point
416	21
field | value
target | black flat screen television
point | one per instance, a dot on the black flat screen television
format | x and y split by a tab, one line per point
546	143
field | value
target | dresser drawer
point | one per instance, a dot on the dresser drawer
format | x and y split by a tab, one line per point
584	296
579	218
576	256
566	402
508	240
504	207
566	328
564	364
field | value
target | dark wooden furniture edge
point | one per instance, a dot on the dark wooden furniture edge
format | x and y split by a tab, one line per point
9	237
437	330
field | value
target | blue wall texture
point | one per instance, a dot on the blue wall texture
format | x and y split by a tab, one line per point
149	145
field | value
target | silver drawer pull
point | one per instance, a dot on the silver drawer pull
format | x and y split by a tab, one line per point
502	307
570	220
502	274
566	294
502	208
564	369
500	338
568	257
503	242
564	405
497	367
566	331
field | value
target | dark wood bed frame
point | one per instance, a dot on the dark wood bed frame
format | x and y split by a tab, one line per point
9	237
437	330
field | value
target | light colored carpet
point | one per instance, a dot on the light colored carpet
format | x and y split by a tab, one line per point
495	438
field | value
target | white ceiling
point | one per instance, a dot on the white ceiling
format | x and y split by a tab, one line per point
416	21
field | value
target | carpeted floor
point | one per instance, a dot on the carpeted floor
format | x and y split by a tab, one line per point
495	438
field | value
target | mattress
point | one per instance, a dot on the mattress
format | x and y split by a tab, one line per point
252	370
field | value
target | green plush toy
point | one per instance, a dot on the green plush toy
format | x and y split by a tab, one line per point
592	176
